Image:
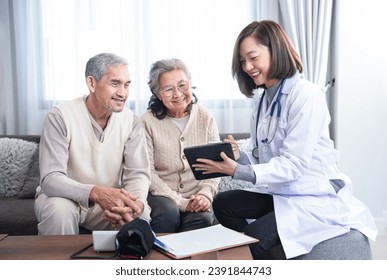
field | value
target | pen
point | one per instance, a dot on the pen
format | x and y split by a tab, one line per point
162	245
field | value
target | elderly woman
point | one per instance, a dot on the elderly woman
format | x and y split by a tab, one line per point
172	122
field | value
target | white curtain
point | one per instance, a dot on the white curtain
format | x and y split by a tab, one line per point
62	35
308	24
21	65
201	33
46	43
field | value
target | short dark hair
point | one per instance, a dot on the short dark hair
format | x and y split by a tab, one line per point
285	60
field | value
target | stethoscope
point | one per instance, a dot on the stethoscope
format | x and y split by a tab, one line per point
277	103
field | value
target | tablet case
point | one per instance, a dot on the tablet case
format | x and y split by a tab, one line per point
208	151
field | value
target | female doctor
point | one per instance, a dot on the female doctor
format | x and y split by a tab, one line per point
299	198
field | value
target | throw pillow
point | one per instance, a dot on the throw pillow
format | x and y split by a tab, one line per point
15	163
228	183
33	179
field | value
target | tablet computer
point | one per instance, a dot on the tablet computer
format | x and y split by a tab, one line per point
209	151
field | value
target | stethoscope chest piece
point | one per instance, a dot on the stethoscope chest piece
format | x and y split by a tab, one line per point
255	152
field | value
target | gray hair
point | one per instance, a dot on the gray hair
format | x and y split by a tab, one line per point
98	64
163	66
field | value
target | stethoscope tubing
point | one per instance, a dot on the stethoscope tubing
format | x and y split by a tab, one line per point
273	106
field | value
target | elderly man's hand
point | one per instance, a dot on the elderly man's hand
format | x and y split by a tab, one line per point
120	216
119	206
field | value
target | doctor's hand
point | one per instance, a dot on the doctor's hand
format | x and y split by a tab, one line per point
207	166
235	148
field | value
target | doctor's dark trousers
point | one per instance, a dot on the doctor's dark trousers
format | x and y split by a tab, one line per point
232	208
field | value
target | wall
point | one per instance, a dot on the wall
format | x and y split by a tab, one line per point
360	98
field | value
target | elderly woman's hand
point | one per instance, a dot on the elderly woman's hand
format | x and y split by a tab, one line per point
198	203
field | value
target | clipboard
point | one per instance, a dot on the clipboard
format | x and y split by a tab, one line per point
200	241
209	151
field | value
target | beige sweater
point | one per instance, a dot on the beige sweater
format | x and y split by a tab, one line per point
171	175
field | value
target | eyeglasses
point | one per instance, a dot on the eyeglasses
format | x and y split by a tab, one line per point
182	87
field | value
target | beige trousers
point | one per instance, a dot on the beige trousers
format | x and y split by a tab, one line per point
61	216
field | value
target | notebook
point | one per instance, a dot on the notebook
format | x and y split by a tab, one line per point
208	151
194	242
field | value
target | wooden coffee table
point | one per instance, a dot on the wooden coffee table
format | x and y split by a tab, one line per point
61	247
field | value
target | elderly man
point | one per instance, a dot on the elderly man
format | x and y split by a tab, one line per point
93	157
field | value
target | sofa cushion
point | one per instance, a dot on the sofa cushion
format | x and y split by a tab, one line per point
33	179
228	183
17	216
15	163
352	245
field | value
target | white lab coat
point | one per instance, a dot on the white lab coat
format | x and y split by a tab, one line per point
296	168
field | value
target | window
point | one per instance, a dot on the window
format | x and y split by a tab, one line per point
199	32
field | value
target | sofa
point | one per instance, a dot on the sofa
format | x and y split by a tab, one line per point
18	184
19	177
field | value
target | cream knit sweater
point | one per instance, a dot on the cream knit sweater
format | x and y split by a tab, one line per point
171	175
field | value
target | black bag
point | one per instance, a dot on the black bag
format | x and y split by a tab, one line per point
134	240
